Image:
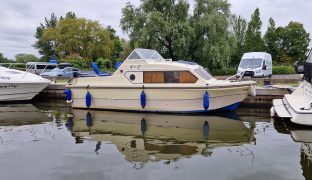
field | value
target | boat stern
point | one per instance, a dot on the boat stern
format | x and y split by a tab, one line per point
279	109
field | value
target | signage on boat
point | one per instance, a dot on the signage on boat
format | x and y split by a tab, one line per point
5	78
135	66
5	86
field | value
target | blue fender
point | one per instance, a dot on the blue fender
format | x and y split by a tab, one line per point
206	130
206	101
143	99
88	119
88	100
68	94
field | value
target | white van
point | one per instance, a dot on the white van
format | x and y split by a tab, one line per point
39	67
255	64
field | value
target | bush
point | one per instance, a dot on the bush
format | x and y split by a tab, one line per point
223	72
104	63
283	70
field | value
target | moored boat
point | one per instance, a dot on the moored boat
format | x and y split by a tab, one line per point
297	106
146	81
16	85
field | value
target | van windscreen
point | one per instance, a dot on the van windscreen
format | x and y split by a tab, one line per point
250	63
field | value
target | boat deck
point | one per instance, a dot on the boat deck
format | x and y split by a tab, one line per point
300	103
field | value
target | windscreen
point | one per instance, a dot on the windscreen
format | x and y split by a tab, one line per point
203	73
250	63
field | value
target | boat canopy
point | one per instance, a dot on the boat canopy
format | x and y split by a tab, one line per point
144	54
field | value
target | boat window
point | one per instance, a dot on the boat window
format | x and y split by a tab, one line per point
168	77
132	77
144	54
153	77
203	73
134	55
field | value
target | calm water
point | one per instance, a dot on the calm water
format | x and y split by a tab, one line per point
51	141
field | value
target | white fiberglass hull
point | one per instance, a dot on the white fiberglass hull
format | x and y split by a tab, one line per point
295	106
184	99
20	91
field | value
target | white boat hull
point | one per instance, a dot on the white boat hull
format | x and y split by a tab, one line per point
158	99
296	107
20	91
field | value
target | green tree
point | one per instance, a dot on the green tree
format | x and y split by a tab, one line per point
253	39
24	58
80	37
212	42
45	48
117	44
159	24
238	30
126	49
4	59
271	39
296	41
287	44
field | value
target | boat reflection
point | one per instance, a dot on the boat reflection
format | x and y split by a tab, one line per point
155	137
302	135
29	114
21	114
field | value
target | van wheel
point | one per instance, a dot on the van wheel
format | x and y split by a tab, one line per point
270	75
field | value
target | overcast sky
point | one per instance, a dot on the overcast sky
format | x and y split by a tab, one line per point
19	18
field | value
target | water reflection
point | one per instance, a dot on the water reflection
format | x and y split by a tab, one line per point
303	135
96	144
29	114
21	114
155	137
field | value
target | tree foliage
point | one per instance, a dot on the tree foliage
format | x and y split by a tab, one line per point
45	48
158	24
79	36
253	39
212	42
238	30
286	44
24	58
3	59
271	39
167	26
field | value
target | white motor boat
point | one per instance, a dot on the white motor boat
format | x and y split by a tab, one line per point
298	105
16	85
146	81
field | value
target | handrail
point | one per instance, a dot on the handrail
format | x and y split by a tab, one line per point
239	79
43	70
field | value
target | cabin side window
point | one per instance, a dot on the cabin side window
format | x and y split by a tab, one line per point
168	77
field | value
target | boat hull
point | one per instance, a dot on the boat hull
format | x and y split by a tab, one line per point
20	91
184	100
296	106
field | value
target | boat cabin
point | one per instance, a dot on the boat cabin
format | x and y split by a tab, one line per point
149	67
